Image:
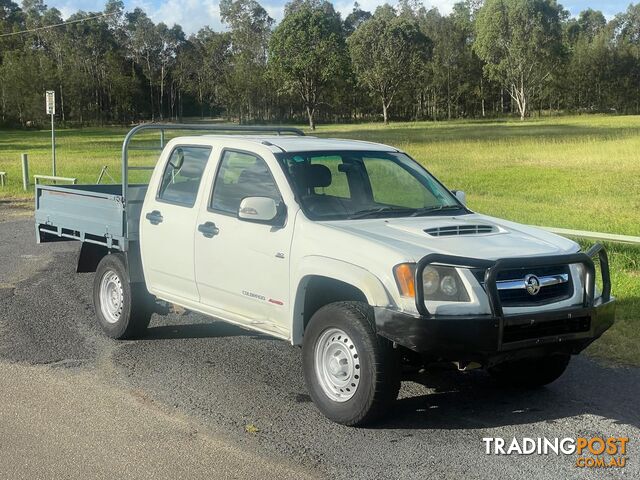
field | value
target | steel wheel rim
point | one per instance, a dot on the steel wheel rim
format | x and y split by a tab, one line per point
337	365
111	296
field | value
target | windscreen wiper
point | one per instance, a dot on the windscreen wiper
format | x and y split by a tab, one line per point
375	211
438	208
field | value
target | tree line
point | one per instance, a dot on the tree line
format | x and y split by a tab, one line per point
486	58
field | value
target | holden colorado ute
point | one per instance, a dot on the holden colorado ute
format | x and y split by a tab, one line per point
349	249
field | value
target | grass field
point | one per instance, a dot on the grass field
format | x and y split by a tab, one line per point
573	172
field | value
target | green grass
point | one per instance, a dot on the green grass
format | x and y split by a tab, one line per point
622	342
573	172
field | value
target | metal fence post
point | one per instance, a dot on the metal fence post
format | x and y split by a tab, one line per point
53	145
25	171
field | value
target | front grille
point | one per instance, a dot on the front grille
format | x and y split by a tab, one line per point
516	333
455	230
520	297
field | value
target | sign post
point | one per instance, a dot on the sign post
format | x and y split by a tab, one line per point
51	110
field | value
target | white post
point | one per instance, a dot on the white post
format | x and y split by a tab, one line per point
53	146
25	171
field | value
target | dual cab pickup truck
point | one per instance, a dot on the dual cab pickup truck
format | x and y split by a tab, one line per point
349	249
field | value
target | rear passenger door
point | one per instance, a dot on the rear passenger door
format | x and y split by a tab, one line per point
242	268
168	224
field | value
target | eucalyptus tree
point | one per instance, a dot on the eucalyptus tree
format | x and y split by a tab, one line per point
144	45
386	52
11	19
11	16
171	39
520	42
588	69
453	73
250	27
307	53
355	19
626	84
204	64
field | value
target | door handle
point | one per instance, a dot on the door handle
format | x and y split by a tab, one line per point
154	217
208	229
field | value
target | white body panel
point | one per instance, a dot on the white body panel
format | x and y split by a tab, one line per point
168	255
255	275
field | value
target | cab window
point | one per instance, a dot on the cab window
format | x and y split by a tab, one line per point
182	175
241	175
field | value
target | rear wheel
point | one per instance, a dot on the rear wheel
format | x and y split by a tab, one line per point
531	372
123	309
352	373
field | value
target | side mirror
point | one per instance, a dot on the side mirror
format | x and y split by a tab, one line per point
258	209
460	195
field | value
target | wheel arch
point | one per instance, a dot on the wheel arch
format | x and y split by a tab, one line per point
91	254
327	280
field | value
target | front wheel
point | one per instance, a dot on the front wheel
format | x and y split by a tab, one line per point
352	374
530	372
123	310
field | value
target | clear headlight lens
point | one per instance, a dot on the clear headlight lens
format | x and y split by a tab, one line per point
449	286
430	280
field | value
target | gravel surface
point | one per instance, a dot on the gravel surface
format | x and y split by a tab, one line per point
248	388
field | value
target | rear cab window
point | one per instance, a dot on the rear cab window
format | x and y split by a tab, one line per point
182	175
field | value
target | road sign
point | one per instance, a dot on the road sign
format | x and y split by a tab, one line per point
51	102
50	95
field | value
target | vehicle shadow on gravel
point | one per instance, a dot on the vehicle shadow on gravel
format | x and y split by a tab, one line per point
472	400
197	330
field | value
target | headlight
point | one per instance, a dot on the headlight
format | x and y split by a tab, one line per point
438	283
430	280
443	284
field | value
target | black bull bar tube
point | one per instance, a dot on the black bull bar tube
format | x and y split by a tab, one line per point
481	337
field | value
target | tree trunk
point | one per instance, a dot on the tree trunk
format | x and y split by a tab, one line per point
161	102
448	93
482	96
385	113
61	102
522	104
310	113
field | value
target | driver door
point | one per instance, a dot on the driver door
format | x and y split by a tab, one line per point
242	267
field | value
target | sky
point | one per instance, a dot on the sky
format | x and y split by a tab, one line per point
195	14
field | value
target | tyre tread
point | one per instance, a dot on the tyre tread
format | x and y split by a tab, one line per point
139	300
385	362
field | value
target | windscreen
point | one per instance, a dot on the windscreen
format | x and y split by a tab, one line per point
359	184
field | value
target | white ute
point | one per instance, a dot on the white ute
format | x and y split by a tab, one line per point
349	249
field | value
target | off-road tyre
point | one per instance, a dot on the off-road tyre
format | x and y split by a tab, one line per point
129	313
377	363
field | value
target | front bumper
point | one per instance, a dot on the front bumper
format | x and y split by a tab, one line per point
488	340
494	338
